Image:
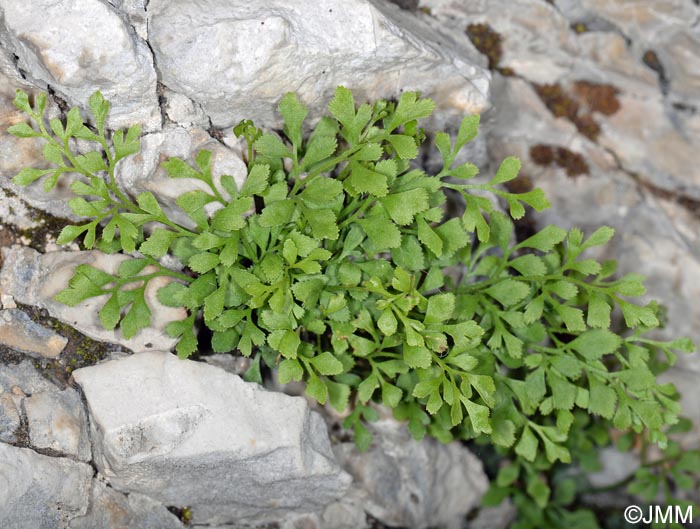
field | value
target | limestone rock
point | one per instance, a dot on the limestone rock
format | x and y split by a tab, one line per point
414	484
17	153
186	433
687	382
237	365
22	378
17	380
615	467
19	332
57	421
7	302
9	417
135	11
86	47
252	47
497	517
144	172
109	509
34	279
40	492
645	22
606	86
346	513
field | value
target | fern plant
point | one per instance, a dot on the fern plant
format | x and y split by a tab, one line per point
335	264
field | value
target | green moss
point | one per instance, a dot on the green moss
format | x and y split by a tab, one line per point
559	103
489	43
46	227
184	514
80	351
21	433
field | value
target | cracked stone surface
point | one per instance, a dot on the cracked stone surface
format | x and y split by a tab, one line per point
109	509
76	56
41	492
34	279
252	46
10	419
600	100
16	153
19	332
639	137
187	433
22	378
57	422
144	172
407	483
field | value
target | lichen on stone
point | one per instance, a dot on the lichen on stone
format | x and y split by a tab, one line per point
572	162
578	106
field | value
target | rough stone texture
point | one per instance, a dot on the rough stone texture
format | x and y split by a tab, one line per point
109	509
86	47
615	82
19	332
40	492
348	513
34	279
186	433
57	421
686	382
18	380
9	417
16	153
615	467
144	172
7	302
648	135
648	226
236	365
414	484
251	48
23	379
497	517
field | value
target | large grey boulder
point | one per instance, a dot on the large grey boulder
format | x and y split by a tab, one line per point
186	433
40	492
87	46
236	59
35	279
406	483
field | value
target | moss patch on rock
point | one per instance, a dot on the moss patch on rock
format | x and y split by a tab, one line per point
489	43
81	351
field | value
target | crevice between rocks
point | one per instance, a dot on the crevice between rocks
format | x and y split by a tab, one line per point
690	204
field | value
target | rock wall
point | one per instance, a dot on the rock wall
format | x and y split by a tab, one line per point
599	98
